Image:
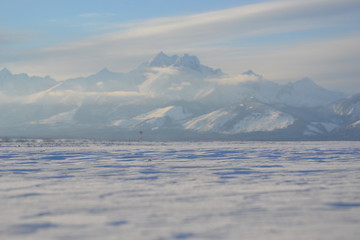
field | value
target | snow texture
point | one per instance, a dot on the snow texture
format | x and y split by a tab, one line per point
175	190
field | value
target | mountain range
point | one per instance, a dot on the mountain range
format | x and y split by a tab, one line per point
174	98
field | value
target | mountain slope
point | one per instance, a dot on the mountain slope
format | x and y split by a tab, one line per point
249	117
169	116
305	92
348	108
103	81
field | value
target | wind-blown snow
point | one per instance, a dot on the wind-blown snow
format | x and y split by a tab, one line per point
217	190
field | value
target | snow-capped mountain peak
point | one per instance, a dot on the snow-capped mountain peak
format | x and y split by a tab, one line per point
106	74
305	92
163	60
104	71
185	62
22	84
188	61
305	83
5	72
252	73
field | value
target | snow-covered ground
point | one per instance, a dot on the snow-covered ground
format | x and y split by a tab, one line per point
178	190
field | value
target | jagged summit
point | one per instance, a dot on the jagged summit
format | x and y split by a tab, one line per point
251	73
105	72
306	84
163	60
185	61
188	61
23	84
5	72
305	81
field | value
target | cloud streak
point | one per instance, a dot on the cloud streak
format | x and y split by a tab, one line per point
256	19
89	15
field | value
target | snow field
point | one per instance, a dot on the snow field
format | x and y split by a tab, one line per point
178	190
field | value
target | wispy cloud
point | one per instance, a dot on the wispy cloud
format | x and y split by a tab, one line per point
235	80
333	63
213	27
11	36
95	15
90	15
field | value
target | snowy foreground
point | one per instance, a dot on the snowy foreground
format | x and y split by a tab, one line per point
201	190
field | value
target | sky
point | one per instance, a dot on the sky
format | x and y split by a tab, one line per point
282	40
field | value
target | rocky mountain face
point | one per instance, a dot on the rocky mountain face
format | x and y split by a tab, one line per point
174	98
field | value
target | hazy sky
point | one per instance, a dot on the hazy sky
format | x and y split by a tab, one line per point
282	40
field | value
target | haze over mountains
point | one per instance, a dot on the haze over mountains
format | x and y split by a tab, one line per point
174	98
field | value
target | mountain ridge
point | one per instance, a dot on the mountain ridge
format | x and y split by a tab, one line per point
176	98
